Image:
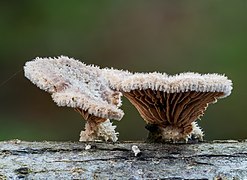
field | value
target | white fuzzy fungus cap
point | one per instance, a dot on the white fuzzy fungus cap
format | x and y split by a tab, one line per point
74	84
173	103
183	82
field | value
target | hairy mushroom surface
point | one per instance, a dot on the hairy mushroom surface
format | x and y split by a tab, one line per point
74	84
170	105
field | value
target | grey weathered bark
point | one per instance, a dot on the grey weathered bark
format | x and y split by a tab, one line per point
68	160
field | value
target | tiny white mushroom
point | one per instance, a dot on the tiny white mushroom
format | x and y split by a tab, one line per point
136	150
88	146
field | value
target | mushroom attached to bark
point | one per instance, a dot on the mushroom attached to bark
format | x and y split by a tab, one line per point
170	105
73	84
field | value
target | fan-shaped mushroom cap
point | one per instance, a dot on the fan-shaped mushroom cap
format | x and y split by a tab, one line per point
74	84
173	103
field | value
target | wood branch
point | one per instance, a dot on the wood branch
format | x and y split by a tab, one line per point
68	160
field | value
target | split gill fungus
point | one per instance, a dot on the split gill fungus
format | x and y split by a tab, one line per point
73	84
170	105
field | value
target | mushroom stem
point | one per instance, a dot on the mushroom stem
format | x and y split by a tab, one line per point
97	128
159	134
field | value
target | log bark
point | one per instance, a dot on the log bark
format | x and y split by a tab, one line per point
76	160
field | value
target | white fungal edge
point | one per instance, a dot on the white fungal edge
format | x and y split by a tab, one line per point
183	82
96	108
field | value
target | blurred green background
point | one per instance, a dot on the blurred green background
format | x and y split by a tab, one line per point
166	36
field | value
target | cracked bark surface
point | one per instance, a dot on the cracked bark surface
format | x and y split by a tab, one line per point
69	160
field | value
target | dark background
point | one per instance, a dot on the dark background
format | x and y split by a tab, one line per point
166	36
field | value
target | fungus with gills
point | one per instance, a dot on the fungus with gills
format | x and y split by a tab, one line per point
73	84
170	105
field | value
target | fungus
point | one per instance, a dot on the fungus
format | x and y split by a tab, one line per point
88	146
170	105
74	84
136	150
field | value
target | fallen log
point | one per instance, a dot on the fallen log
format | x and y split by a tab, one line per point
99	160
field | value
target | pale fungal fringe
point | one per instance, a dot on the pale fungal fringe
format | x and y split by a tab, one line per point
183	82
115	76
79	100
197	132
77	85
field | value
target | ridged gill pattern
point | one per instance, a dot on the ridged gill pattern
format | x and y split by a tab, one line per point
171	109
